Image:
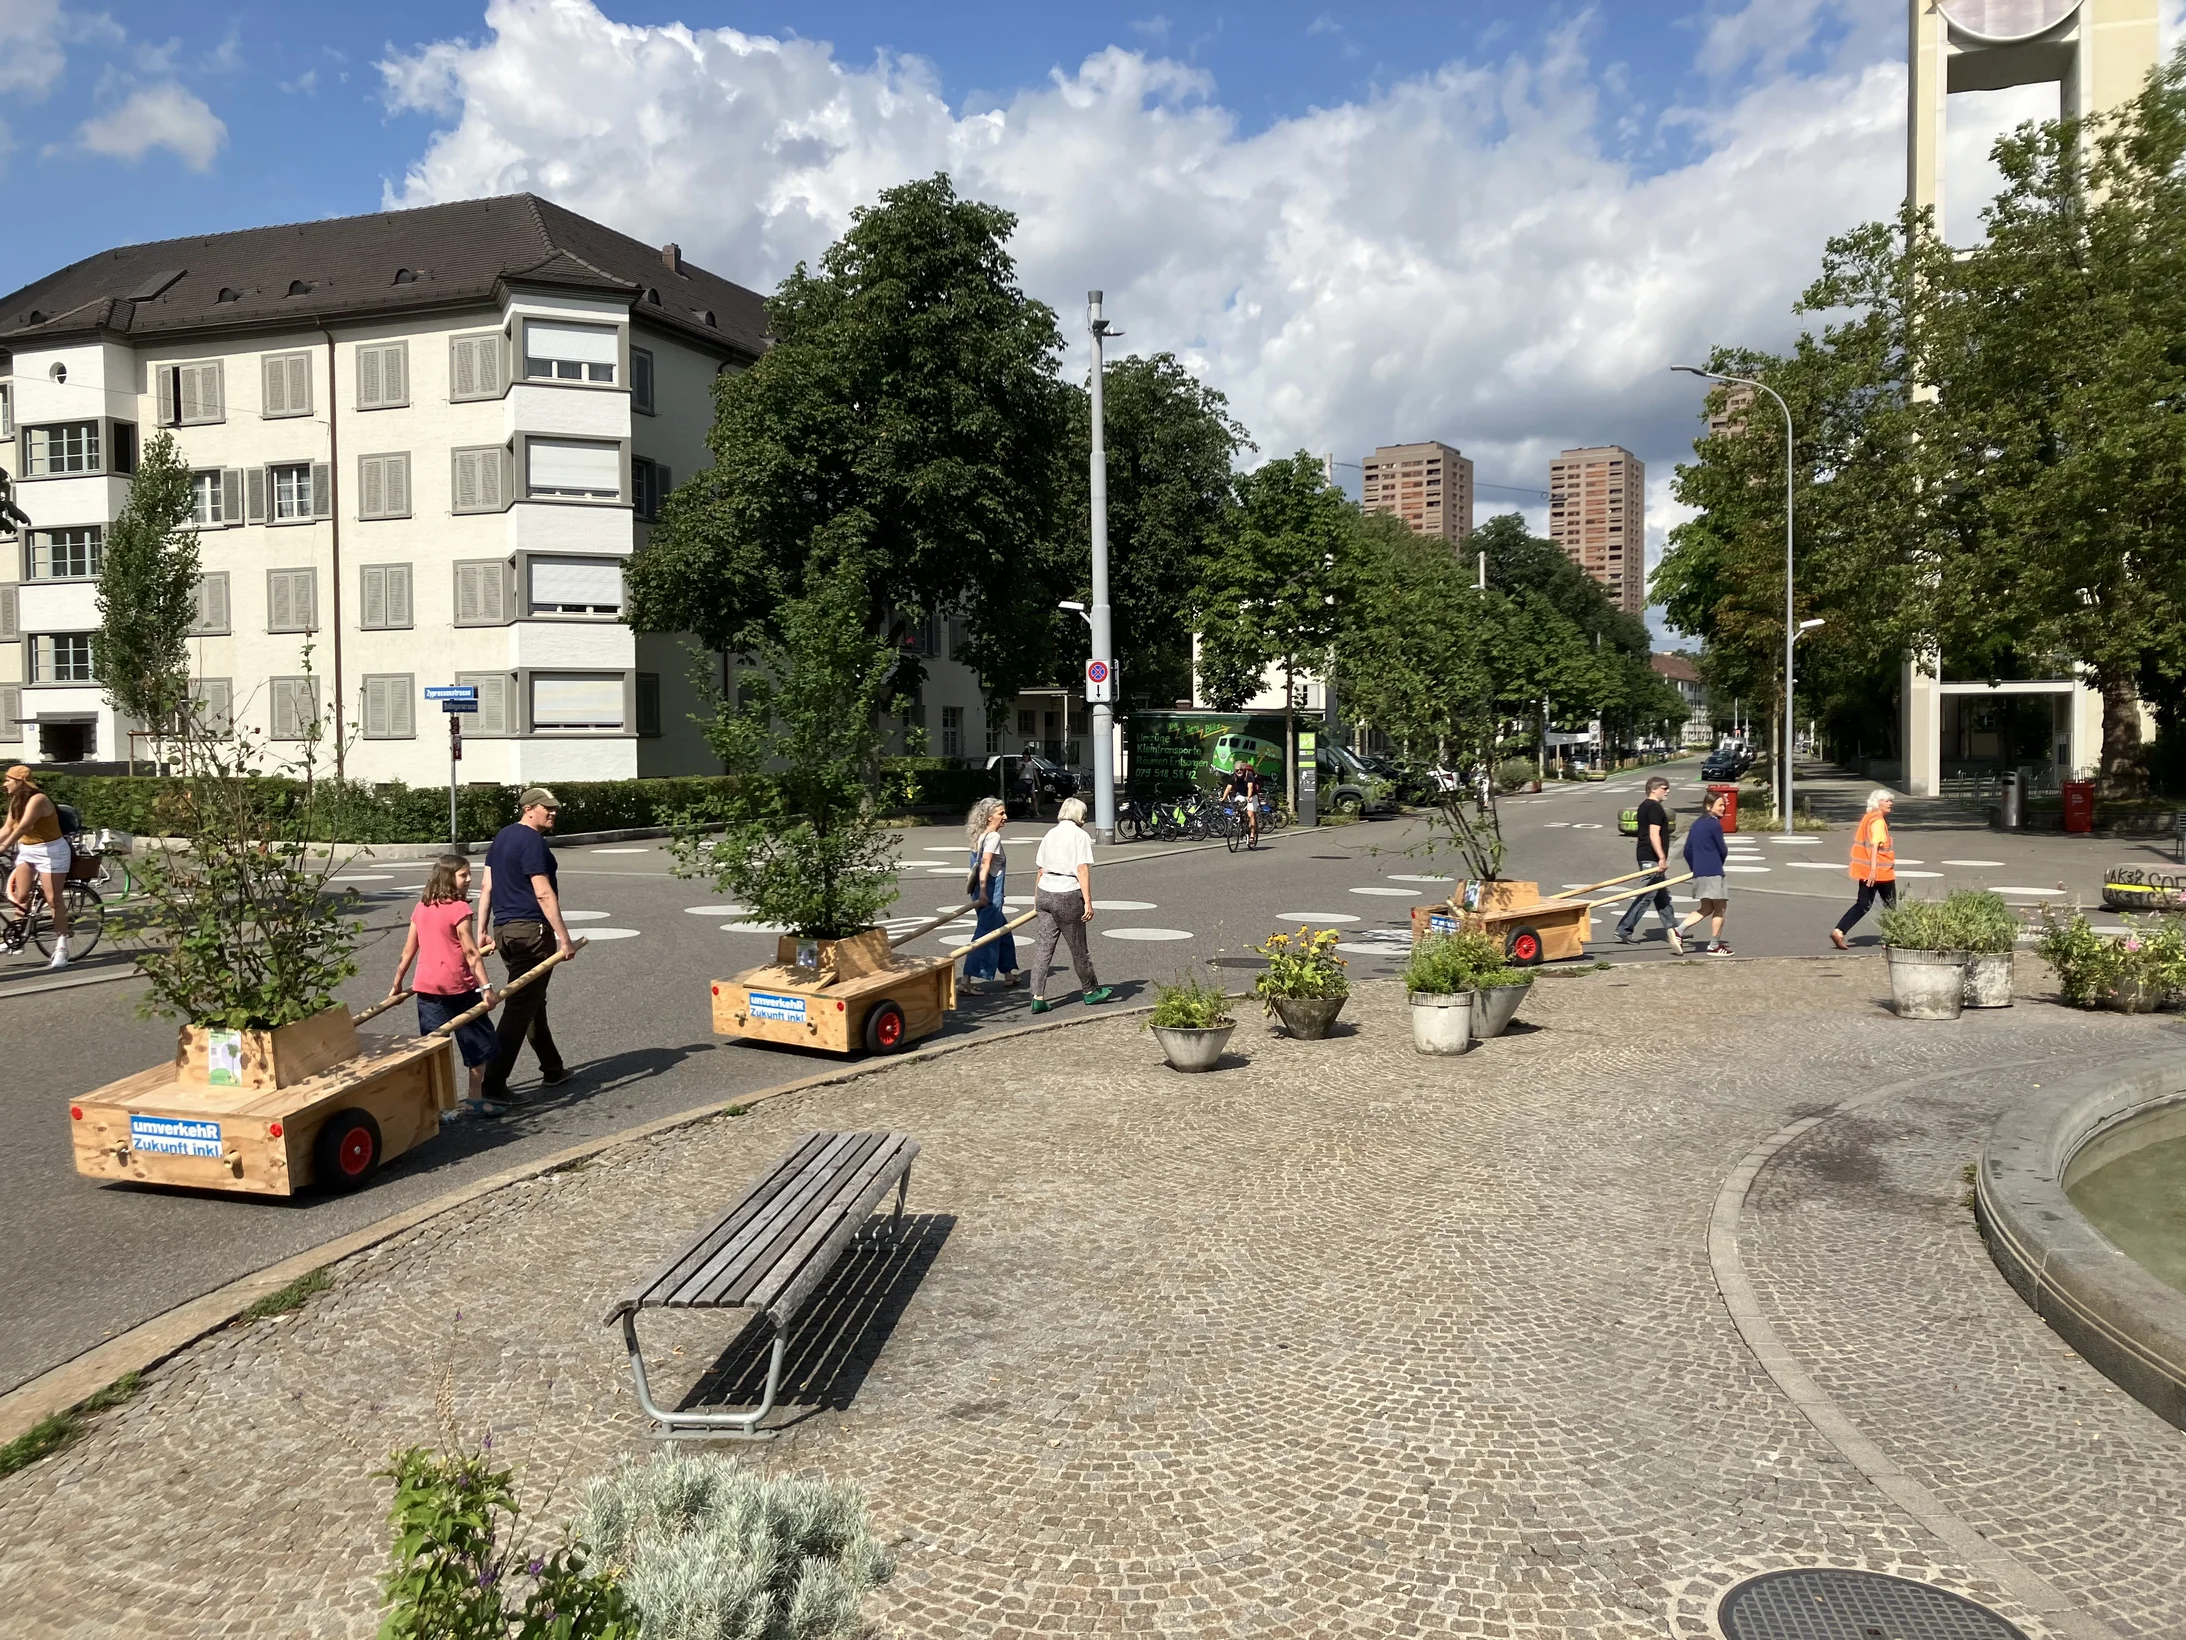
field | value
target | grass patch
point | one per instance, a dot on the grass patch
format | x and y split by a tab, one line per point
737	1110
289	1298
60	1429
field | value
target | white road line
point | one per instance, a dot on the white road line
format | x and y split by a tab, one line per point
611	933
1902	872
584	916
1794	841
713	911
623	851
1815	865
1123	905
1146	933
2045	893
1315	917
1400	877
1976	864
1749	870
1402	893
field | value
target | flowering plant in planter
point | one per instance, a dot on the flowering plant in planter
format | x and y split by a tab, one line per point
2147	961
1301	967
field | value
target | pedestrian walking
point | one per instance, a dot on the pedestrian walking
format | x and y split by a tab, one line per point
520	902
1653	822
451	972
989	875
1063	897
1706	854
1874	864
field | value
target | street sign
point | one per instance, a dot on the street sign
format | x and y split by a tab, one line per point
1100	681
459	705
451	691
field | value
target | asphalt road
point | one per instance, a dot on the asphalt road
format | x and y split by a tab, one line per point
82	1261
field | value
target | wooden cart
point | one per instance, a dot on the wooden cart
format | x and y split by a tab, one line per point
1532	930
267	1113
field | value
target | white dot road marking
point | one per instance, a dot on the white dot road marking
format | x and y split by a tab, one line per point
363	877
1146	933
611	933
1973	863
1795	842
1315	917
584	916
754	928
1905	862
1400	877
1123	905
623	851
1586	825
1749	870
2045	893
713	911
1378	942
1554	825
1816	865
1903	873
1401	893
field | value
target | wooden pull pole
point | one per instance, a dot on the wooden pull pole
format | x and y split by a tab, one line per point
379	1008
928	927
1635	893
1607	881
990	938
514	985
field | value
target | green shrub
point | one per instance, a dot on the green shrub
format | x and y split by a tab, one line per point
707	1550
1301	966
1919	925
2151	952
1190	1004
1514	773
1980	921
1444	964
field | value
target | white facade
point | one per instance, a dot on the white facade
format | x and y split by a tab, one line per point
407	500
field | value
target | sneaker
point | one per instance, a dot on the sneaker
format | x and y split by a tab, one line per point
1625	939
1100	993
557	1079
1716	948
1836	938
60	953
1041	1005
1676	939
484	1110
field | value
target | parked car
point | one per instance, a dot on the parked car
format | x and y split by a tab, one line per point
1726	764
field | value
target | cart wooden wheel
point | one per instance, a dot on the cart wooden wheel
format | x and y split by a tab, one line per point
884	1028
1524	947
347	1150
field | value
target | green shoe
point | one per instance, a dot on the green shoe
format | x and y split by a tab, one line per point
1100	993
1041	1005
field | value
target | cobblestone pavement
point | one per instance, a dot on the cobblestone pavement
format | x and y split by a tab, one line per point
1340	1341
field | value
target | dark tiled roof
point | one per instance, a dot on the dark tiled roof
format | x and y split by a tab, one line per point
308	273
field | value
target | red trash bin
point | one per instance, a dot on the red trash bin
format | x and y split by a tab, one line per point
2079	805
1730	806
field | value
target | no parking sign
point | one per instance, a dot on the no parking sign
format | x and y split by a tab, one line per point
1100	681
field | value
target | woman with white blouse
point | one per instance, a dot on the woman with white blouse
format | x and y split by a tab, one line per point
1063	897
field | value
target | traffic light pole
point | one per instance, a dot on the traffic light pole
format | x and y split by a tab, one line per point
1104	713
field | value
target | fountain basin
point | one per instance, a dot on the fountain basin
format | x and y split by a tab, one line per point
2093	1135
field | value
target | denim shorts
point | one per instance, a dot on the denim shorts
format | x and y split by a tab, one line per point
476	1042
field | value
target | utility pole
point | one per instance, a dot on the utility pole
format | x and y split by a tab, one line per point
1104	711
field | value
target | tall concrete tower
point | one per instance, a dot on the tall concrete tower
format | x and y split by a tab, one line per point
2097	52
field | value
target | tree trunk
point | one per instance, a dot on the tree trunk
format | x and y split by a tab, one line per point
2124	769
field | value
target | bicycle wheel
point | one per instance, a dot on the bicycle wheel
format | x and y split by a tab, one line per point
86	920
1233	830
1129	828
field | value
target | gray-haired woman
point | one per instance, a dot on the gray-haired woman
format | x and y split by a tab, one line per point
989	868
1063	896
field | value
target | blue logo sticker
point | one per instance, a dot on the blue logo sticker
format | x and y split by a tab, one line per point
766	1005
174	1136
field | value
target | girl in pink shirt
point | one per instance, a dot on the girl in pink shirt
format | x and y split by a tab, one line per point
451	971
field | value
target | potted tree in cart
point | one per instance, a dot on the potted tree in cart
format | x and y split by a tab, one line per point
1304	984
1192	1022
1927	969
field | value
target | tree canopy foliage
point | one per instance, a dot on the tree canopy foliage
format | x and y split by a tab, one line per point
147	595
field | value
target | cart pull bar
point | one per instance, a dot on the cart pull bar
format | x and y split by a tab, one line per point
379	1008
1608	881
990	938
514	985
927	927
1635	893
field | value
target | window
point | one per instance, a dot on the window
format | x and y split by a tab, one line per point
287	385
65	555
474	366
480	593
641	381
649	705
1027	722
491	720
294	704
573	469
576	586
191	395
384	597
212	604
383	375
481	480
649	486
7	429
388	711
61	658
11	715
215	703
71	447
216	497
952	731
572	703
383	486
570	353
299	491
292	600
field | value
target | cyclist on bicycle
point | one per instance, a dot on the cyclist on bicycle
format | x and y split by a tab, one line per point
34	830
1245	786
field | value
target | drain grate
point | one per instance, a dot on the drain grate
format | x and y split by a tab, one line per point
1822	1604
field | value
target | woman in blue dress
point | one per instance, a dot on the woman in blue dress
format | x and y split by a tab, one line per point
989	864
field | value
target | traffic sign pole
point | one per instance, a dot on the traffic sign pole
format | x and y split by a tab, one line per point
1104	716
455	756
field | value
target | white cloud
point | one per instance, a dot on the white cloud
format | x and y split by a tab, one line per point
158	116
31	54
1462	255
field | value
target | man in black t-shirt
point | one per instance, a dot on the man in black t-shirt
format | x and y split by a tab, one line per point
1245	786
1654	852
520	902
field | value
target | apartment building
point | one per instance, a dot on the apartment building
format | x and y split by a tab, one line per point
1429	486
1597	512
424	443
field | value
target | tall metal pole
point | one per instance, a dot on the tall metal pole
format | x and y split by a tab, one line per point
1104	714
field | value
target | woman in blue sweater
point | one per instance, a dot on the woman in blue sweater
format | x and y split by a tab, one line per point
1705	855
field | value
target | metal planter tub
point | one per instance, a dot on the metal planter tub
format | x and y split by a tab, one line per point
1927	984
1988	979
1494	1006
1308	1018
1442	1022
1189	1049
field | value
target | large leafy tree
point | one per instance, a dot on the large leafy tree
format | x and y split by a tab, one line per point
1413	653
906	429
147	596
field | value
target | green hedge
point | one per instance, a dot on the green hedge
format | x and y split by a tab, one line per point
396	813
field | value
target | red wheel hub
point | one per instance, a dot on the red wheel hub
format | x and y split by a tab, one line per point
890	1029
355	1154
1526	948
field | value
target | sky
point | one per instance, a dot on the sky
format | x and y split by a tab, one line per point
1491	222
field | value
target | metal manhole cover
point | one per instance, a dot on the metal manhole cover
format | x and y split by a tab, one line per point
1821	1604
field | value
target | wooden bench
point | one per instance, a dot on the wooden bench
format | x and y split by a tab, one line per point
768	1253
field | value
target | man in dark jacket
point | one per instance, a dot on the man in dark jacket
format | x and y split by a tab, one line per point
520	900
1706	854
1653	823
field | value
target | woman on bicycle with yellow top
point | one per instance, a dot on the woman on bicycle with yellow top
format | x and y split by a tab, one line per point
33	830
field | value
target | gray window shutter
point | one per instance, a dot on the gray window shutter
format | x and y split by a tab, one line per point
299	383
11	712
255	483
216	697
375	708
374	599
395	373
462	368
371	487
466	594
276	388
280	601
641	379
395	474
398	594
466	481
231	495
11	625
307	597
212	602
492	588
368	379
170	402
212	391
663	482
491	353
492	716
401	724
188	404
284	709
322	490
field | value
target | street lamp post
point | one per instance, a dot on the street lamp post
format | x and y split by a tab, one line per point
1104	713
1791	629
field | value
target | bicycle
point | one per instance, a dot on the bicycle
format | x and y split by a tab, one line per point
20	926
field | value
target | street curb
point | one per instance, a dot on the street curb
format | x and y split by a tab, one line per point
164	1336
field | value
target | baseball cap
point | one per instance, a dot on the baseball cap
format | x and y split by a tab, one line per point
537	797
19	771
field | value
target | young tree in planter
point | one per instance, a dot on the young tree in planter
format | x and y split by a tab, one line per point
148	592
797	840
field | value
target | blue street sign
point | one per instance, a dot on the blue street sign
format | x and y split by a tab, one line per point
451	691
459	706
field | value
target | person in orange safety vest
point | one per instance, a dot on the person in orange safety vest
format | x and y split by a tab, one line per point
1874	864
